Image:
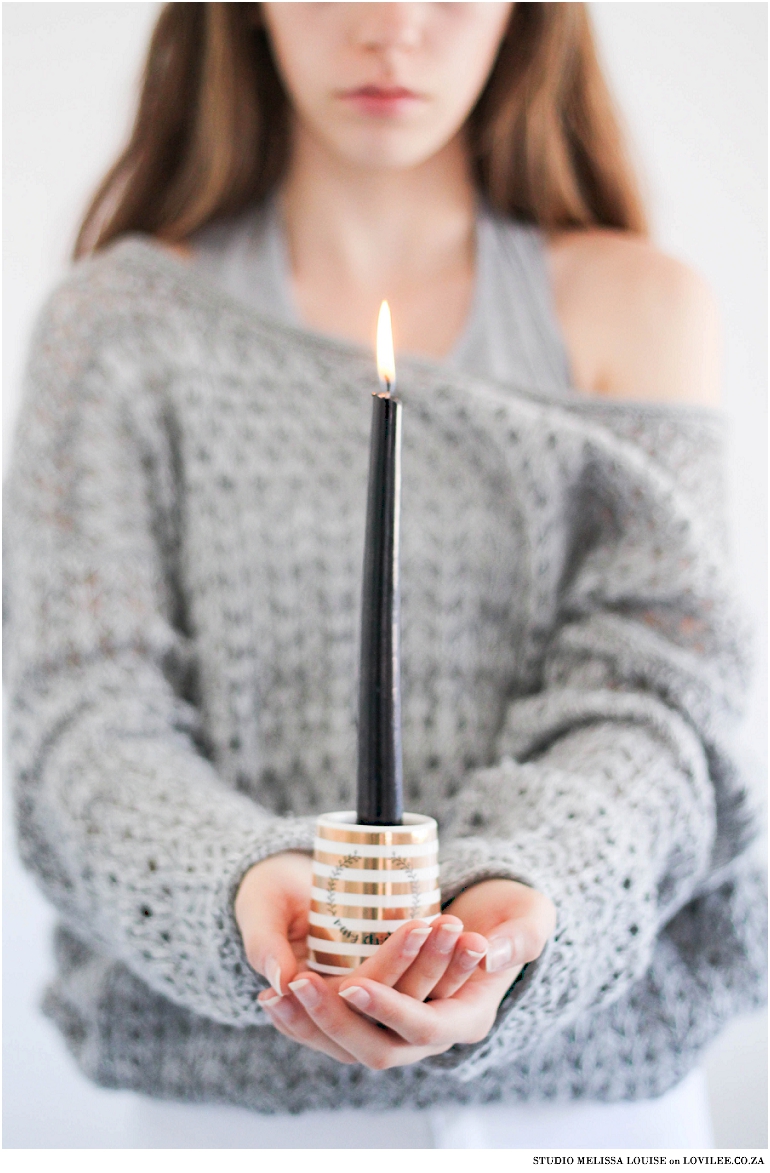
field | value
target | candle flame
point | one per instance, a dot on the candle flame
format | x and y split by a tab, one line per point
386	362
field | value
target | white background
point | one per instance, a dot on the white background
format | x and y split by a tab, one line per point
691	81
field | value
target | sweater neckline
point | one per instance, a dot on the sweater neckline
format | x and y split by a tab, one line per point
143	247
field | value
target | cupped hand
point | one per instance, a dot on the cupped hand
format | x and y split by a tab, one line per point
271	910
422	992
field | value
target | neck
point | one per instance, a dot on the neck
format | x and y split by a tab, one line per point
377	229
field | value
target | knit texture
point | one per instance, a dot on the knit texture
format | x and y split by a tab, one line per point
184	534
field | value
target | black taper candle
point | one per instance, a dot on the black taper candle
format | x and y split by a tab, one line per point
380	789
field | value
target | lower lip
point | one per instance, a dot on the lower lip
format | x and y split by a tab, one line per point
382	104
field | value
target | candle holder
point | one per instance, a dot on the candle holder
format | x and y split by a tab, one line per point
367	882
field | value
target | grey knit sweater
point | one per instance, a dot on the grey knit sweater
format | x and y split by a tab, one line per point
184	548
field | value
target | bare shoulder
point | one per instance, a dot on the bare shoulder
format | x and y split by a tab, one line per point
638	324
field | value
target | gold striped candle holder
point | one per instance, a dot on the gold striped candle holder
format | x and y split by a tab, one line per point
367	882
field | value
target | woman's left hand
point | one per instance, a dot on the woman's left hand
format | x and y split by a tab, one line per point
419	996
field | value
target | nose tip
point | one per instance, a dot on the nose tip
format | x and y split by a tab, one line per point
390	26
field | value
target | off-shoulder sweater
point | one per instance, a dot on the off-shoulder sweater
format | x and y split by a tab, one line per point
184	540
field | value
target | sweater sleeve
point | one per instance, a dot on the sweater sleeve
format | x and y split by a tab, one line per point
614	792
122	816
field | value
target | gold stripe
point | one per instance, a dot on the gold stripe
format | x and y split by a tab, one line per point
362	912
343	960
418	834
375	863
379	887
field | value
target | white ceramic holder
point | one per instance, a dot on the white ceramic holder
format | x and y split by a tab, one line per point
367	882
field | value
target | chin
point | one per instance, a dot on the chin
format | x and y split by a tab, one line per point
389	150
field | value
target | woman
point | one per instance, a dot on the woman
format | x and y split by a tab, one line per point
183	572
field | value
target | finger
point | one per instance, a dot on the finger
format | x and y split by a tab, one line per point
517	941
276	939
270	953
395	955
375	1048
434	958
469	953
290	1020
271	910
437	1024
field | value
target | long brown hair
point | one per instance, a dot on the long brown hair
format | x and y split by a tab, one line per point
212	129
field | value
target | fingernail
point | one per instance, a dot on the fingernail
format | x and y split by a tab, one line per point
469	959
305	991
415	941
446	938
499	954
271	1001
357	995
273	973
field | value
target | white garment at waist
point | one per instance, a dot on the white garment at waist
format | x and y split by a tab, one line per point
679	1119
